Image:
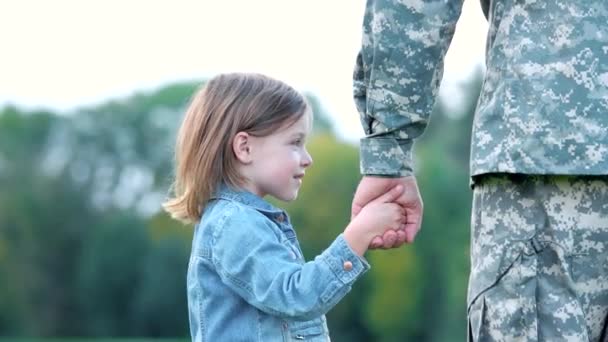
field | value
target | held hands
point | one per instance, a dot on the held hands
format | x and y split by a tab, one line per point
374	219
371	188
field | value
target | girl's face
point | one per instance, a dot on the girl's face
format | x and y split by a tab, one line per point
279	160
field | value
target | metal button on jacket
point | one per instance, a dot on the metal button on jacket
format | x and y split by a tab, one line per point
347	265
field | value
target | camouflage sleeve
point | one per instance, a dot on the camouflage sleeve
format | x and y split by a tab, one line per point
397	75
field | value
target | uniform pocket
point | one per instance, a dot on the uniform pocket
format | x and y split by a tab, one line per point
506	309
483	286
477	312
604	333
488	296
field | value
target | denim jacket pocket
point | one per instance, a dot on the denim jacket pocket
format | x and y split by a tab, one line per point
307	331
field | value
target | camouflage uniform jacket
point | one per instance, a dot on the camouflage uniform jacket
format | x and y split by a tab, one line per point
543	107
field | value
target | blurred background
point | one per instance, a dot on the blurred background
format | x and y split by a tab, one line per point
91	94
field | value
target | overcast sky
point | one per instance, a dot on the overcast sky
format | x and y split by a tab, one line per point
62	54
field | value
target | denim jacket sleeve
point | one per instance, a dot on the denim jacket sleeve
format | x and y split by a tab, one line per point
254	261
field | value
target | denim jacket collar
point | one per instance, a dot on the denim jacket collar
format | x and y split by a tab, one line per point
225	191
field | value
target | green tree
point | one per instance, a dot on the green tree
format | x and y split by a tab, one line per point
443	177
40	230
80	253
110	275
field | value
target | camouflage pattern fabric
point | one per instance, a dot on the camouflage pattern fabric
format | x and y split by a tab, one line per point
539	259
543	107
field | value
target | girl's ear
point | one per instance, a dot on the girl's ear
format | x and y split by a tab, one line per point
241	146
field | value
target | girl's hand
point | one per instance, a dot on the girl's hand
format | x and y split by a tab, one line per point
371	187
377	217
374	219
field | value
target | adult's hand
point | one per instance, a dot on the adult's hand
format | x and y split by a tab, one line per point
372	187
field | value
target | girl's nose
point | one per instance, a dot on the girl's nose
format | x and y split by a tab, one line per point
307	159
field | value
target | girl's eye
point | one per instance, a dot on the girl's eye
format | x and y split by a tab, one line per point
297	142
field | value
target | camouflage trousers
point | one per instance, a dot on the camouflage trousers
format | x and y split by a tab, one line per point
539	259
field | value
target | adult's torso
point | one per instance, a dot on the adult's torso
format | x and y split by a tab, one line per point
543	107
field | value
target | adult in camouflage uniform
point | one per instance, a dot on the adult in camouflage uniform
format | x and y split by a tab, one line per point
539	154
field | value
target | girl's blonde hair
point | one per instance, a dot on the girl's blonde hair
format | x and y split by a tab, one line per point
226	105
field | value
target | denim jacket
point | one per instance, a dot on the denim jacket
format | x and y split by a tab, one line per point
247	278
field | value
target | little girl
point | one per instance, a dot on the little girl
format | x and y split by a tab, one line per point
243	138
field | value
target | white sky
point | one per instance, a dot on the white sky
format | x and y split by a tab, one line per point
63	54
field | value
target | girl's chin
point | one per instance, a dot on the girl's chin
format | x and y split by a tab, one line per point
288	197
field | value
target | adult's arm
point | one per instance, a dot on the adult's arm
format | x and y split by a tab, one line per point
396	80
397	76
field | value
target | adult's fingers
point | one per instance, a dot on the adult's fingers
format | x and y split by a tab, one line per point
413	222
391	195
369	189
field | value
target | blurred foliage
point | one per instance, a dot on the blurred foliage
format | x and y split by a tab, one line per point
86	251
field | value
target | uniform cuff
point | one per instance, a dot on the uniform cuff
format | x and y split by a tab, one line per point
386	157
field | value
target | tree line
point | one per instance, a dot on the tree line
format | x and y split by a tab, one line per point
86	251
